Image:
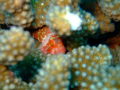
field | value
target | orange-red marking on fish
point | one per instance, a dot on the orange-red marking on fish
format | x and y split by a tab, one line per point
51	42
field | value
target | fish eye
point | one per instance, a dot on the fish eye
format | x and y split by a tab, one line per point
52	43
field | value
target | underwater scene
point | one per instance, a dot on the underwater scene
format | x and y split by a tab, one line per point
59	44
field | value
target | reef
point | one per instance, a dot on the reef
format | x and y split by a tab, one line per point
59	44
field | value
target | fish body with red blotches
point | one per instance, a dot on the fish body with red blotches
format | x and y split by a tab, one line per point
50	42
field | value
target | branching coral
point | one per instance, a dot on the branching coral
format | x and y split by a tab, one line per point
108	79
105	24
61	3
83	61
14	45
40	8
9	82
2	16
1	32
89	23
116	55
4	72
20	13
55	20
12	5
110	8
59	19
54	73
77	22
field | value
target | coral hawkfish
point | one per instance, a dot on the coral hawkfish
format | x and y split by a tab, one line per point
50	42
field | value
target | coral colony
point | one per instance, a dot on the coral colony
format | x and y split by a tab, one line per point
59	44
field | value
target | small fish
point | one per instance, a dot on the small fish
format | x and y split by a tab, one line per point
50	42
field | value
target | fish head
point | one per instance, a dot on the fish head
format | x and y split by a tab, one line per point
53	45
